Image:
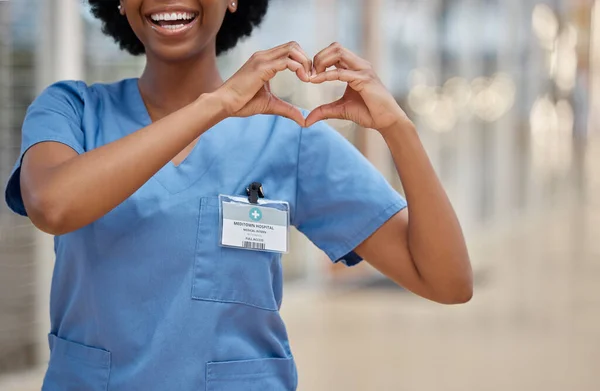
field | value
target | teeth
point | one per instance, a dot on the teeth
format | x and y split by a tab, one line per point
174	26
172	16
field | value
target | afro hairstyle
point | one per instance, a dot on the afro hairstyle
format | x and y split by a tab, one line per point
237	25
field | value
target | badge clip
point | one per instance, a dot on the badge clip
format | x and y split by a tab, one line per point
254	192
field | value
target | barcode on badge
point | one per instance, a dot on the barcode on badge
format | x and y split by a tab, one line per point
253	245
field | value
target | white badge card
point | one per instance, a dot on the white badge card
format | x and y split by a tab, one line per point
260	227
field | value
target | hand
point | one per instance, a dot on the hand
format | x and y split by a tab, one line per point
248	91
366	101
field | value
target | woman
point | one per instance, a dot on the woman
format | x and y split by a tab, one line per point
127	177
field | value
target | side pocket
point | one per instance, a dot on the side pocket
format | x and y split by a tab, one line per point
231	275
270	374
76	367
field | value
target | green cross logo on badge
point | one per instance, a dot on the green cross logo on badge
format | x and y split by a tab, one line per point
255	214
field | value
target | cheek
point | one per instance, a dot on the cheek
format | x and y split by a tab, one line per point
134	17
214	3
132	7
215	9
214	13
136	24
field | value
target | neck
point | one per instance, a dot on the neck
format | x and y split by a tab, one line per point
168	86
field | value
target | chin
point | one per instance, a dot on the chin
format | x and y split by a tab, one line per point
179	53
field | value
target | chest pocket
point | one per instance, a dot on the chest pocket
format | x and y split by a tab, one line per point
232	275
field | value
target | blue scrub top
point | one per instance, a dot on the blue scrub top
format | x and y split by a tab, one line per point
144	298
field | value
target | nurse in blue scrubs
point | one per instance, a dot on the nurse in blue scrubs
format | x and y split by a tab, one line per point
127	177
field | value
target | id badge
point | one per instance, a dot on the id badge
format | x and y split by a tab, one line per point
260	227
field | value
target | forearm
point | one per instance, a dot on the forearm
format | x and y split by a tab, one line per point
84	188
435	238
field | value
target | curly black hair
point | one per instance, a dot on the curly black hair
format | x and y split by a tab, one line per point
237	25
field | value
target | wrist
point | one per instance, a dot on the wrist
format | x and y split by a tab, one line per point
400	125
211	102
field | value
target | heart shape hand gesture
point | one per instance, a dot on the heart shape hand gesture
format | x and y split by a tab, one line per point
366	101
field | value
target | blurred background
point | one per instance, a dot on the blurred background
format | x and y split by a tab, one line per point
506	96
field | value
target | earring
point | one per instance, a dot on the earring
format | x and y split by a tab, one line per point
119	7
233	4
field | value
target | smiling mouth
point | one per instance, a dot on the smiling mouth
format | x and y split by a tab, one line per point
173	21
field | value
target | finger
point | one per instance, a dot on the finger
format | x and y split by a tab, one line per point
285	109
278	51
288	63
344	75
262	57
335	53
296	53
279	55
309	60
328	111
327	60
268	70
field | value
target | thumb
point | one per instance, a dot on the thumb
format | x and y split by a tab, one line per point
327	111
285	109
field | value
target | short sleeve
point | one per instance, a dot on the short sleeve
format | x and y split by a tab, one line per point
342	199
55	115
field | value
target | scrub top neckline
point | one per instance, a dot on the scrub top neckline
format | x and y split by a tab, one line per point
177	178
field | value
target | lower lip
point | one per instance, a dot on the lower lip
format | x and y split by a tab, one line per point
173	32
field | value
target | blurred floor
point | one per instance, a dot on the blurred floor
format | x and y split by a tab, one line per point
534	323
